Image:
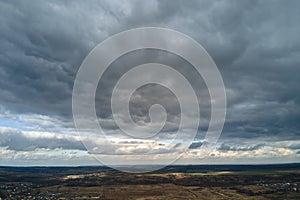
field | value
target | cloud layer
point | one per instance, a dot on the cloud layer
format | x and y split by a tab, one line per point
255	44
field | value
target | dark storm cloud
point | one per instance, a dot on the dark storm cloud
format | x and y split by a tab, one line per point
255	44
42	46
195	145
227	147
144	97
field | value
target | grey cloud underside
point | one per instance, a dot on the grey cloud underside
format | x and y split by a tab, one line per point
150	94
255	44
18	141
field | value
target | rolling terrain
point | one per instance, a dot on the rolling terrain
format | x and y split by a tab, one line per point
173	182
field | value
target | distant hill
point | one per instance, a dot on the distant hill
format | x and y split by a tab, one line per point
171	168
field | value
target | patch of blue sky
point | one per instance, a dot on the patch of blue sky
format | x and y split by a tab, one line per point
12	123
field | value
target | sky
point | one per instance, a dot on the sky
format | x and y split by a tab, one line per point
255	45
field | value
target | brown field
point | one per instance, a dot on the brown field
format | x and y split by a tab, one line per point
157	192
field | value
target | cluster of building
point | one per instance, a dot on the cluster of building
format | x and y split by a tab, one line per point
15	191
293	187
25	191
28	191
